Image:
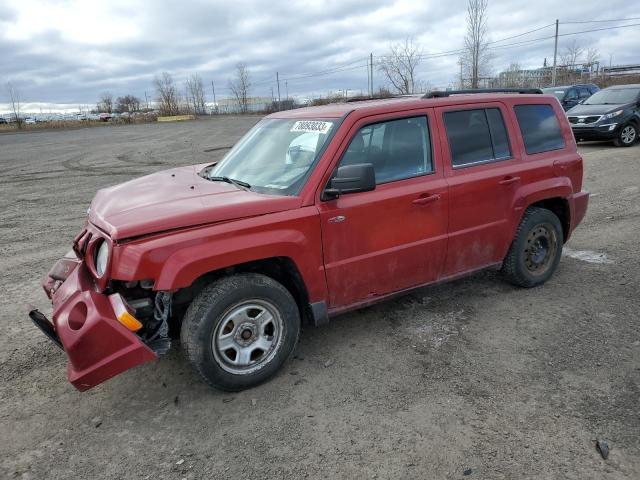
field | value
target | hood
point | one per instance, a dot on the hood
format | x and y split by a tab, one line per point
594	109
176	198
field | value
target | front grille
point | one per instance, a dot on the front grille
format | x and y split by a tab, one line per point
584	120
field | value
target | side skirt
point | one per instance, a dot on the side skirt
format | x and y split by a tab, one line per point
388	296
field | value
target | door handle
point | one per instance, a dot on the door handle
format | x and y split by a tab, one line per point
509	180
426	199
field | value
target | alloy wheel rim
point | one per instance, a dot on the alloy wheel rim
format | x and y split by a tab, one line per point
540	249
248	336
628	134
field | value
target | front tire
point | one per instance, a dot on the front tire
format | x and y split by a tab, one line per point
536	249
627	136
239	330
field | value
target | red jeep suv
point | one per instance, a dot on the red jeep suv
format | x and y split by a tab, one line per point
314	212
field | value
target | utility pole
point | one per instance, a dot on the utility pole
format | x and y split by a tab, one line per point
371	67
555	57
215	104
286	89
278	81
146	99
368	79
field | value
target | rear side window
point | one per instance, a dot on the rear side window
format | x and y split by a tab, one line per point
476	136
539	127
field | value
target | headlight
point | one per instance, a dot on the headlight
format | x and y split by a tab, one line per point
102	258
612	114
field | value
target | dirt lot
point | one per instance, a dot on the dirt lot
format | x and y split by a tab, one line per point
473	379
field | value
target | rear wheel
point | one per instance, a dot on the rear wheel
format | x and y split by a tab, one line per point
627	136
239	330
536	249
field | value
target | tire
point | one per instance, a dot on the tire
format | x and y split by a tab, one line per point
239	330
627	135
536	249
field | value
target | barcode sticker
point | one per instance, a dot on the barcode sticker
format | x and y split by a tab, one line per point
313	126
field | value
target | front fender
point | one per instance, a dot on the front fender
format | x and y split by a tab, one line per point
176	259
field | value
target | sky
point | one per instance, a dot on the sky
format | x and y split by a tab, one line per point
68	52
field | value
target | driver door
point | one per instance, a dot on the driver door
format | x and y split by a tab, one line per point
393	237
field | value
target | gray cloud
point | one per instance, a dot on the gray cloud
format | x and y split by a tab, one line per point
134	40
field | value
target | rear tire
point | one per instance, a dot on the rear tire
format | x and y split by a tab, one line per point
239	330
536	249
627	135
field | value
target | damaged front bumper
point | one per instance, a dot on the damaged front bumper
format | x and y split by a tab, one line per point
84	324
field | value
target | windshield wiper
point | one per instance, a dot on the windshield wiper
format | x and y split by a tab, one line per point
232	181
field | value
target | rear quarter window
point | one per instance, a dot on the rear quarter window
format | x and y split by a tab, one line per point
539	127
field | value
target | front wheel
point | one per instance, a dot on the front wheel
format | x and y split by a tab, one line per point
239	330
536	249
627	136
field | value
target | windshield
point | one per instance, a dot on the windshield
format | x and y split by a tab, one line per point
613	96
558	92
276	156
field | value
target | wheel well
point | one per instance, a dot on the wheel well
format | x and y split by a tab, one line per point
559	206
280	269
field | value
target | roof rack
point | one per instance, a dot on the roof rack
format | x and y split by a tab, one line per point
366	99
446	93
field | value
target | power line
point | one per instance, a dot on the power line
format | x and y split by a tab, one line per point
605	21
523	34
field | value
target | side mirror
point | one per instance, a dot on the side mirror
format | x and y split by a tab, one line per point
360	177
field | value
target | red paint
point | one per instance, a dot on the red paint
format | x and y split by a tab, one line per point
98	347
173	227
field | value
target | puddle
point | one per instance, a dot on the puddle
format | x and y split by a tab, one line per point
586	255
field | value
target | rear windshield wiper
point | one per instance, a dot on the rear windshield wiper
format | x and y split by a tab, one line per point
232	181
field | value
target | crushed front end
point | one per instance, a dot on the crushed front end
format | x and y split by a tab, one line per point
104	327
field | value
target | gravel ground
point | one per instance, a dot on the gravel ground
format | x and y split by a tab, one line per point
472	379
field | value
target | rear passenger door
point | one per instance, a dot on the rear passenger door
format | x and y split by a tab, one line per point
483	170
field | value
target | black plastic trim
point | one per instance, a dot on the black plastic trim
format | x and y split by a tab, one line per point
319	313
45	325
446	93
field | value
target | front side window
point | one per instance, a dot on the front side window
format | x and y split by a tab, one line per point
539	127
397	149
476	136
276	156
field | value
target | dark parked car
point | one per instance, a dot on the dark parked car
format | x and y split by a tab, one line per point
571	95
3	120
610	114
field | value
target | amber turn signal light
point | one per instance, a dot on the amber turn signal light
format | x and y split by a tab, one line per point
124	316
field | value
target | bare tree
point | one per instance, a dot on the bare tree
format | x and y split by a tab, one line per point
399	67
240	85
195	94
128	104
571	54
593	56
105	103
14	102
512	77
476	58
167	94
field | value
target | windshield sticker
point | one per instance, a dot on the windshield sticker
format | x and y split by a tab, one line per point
311	126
